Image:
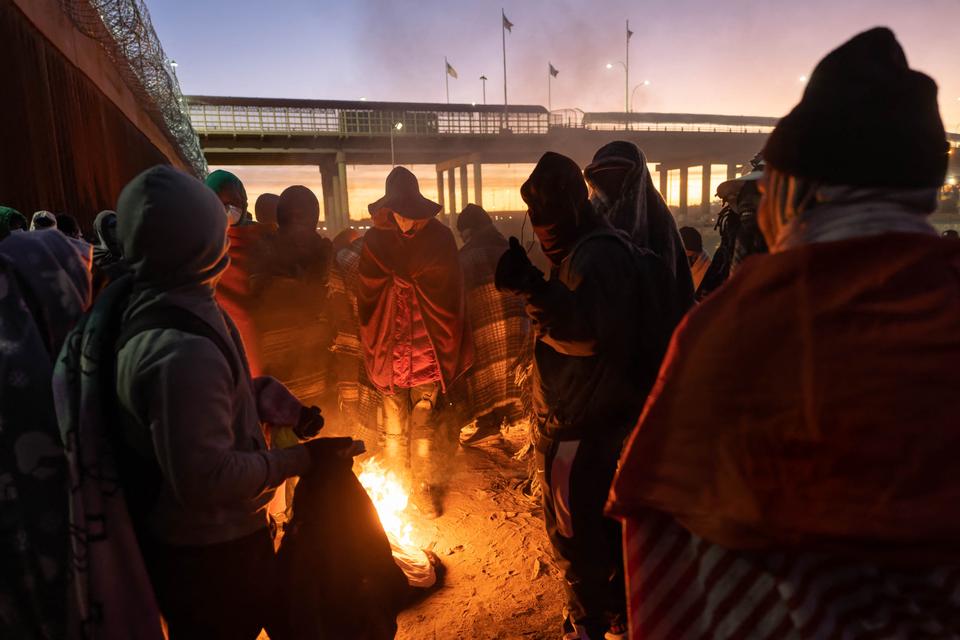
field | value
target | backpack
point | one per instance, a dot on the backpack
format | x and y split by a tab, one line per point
140	475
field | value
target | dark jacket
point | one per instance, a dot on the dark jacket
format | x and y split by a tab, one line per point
603	322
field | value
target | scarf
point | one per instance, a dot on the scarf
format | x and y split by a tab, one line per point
797	211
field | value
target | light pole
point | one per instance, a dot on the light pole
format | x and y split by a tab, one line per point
645	83
626	91
483	81
397	126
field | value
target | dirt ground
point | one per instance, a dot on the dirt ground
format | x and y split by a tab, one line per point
501	581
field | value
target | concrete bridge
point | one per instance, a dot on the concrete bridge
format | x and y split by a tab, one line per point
457	138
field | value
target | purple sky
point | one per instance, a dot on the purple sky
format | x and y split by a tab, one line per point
717	56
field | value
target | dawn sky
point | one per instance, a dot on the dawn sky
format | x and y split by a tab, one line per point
700	56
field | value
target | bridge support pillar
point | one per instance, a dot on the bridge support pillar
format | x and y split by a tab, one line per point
440	197
452	194
477	183
464	193
331	215
731	171
684	187
663	171
706	193
344	209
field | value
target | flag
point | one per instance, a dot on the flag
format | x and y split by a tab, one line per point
553	70
451	71
506	23
629	33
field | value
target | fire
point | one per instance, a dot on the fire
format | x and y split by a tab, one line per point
390	499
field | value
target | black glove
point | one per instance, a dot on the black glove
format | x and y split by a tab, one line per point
309	423
324	451
515	273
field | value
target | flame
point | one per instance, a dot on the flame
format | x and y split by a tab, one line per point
390	499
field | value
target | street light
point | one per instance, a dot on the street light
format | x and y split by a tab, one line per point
397	126
626	72
645	83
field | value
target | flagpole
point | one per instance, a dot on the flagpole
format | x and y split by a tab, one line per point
446	76
503	34
549	88
627	75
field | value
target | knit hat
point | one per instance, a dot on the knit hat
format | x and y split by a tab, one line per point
865	119
473	217
218	180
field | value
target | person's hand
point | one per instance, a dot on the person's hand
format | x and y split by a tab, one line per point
309	423
324	451
515	273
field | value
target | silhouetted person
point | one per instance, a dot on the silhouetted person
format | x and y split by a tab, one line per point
413	325
602	322
265	209
11	220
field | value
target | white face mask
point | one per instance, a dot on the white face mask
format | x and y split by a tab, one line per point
234	214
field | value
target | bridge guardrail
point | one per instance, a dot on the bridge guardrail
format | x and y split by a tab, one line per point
313	121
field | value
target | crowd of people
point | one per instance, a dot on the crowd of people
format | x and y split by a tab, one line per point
719	440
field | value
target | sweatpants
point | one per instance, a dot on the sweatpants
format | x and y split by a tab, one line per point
211	592
575	477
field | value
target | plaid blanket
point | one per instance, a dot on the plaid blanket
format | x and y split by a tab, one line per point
682	586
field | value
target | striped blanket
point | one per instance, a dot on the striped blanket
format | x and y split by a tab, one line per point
681	586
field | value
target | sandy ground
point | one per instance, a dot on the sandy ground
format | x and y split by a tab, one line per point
501	581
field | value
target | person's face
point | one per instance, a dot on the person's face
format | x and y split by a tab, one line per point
609	181
405	224
691	257
234	199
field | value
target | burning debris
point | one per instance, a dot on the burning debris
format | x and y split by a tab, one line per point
391	499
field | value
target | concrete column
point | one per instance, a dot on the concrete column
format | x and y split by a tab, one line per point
477	184
333	222
330	213
682	212
706	193
464	191
344	221
731	171
440	190
452	194
662	169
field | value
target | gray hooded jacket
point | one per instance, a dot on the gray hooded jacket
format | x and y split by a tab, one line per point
176	389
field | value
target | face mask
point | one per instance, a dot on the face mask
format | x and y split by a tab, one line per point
234	214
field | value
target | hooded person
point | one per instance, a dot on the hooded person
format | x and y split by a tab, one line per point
624	195
44	289
413	325
601	324
265	209
11	220
822	462
697	258
189	532
43	220
68	226
500	330
108	262
236	290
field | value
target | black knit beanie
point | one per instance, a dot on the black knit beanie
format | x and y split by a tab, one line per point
865	119
473	217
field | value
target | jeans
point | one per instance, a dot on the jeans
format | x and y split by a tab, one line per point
415	446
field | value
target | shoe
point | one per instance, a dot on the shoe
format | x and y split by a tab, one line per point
428	499
475	433
616	632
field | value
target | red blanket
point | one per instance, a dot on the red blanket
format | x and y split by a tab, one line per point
428	262
811	404
234	291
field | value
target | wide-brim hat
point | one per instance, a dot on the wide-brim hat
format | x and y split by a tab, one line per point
404	198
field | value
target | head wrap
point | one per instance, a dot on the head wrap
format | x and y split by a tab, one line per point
219	180
43	220
10	218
